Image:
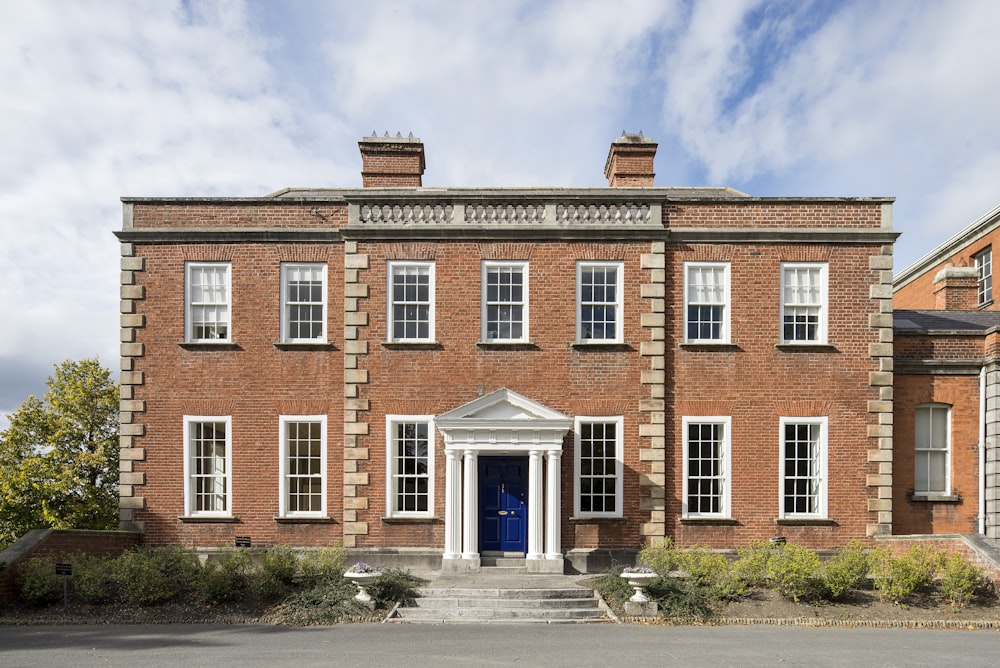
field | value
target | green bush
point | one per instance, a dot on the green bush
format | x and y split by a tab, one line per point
274	569
327	602
93	579
322	564
900	577
393	586
613	587
215	584
752	563
846	570
137	574
680	599
960	580
794	572
661	556
38	580
701	565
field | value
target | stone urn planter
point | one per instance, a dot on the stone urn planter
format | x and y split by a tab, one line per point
639	580
363	576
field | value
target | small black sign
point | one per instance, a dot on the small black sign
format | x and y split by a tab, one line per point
243	541
64	569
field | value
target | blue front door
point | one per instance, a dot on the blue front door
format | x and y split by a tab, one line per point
503	504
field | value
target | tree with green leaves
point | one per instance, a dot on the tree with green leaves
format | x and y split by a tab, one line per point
59	455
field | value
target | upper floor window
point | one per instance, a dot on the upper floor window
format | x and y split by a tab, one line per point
207	466
706	301
411	301
803	302
208	295
803	467
706	467
303	302
598	466
599	302
931	449
984	264
505	301
302	466
410	462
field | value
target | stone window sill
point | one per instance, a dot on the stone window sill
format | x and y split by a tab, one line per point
507	345
708	521
305	345
598	520
805	522
201	519
208	345
805	347
935	498
304	520
601	345
709	346
411	345
411	520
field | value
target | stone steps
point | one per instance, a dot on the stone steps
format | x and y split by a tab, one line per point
456	604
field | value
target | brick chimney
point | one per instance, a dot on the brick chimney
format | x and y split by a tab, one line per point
956	289
391	162
630	162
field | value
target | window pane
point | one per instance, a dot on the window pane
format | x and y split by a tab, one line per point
598	467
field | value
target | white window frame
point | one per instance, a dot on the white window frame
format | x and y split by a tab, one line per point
190	489
283	469
392	475
619	422
822	305
823	455
286	304
689	269
725	473
190	305
391	270
984	282
927	451
489	266
617	304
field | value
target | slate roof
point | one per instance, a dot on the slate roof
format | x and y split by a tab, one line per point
940	321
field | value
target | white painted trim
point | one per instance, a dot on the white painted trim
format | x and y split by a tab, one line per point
824	438
391	265
619	422
619	266
390	465
727	300
824	302
188	321
189	421
727	467
283	422
285	266
486	266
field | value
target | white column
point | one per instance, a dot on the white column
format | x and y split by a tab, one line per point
470	507
553	505
534	505
453	505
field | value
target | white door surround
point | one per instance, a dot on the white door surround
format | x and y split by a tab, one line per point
503	423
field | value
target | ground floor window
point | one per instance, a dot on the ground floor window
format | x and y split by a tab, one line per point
598	466
931	449
208	466
303	465
410	461
706	467
803	467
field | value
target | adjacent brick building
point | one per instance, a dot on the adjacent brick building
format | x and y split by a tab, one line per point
947	386
453	374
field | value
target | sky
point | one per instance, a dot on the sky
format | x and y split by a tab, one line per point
109	98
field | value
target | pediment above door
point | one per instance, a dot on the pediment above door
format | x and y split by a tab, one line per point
504	421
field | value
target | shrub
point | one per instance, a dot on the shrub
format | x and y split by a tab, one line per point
613	587
897	578
661	556
846	570
322	564
326	602
215	584
701	565
273	571
794	572
393	586
39	583
751	564
139	579
93	578
961	580
681	600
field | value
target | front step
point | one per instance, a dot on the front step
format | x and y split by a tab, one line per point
453	605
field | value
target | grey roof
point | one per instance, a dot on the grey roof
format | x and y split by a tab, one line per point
945	321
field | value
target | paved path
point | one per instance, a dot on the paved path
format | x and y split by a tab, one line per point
608	646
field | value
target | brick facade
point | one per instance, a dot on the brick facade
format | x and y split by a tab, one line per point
652	378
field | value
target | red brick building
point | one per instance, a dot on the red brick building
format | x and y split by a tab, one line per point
448	375
946	388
